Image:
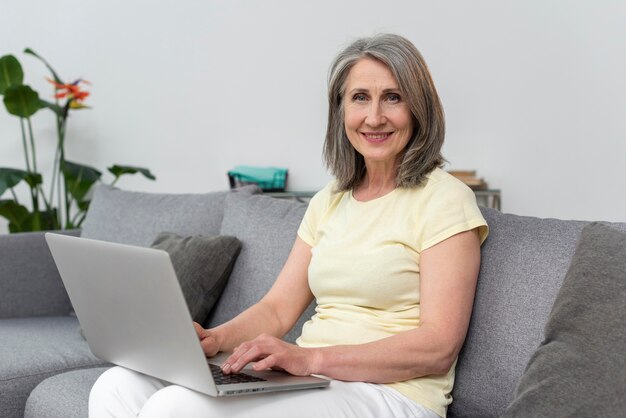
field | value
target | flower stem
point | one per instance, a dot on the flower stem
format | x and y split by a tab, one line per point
66	193
56	172
14	196
25	144
34	193
55	169
32	144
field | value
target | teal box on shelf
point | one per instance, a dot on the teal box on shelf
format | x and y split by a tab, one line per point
269	179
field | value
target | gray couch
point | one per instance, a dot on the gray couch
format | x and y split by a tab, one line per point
47	369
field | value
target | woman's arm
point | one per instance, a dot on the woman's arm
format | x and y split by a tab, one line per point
448	274
273	315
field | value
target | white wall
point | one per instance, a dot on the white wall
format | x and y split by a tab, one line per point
534	91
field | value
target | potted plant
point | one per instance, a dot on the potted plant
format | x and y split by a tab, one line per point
67	201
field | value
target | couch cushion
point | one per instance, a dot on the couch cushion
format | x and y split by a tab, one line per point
524	261
65	395
136	218
30	284
33	349
579	369
202	264
267	228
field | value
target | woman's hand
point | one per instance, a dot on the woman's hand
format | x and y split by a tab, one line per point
272	353
208	340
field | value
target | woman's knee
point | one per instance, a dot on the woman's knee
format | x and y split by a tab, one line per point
107	382
177	401
121	392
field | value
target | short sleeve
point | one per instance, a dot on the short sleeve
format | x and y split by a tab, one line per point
449	208
317	208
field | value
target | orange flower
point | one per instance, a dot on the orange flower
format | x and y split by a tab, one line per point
71	91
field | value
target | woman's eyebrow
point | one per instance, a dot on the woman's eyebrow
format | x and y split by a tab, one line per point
364	90
358	90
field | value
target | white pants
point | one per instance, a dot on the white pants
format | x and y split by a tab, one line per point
120	393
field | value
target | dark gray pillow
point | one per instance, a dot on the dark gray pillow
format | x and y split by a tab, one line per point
580	367
203	265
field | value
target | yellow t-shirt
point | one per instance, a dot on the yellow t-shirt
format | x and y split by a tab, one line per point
364	270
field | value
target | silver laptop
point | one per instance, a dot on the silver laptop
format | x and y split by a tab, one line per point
133	314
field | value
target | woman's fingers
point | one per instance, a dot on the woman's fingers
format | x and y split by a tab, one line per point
250	351
270	353
199	329
207	340
209	346
268	362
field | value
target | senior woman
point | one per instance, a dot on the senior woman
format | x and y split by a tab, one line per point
390	250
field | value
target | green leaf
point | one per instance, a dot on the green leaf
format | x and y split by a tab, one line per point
49	220
120	170
10	177
54	107
34	180
21	101
84	205
54	74
20	219
79	179
11	73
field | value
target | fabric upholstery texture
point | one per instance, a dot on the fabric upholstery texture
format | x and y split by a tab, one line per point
63	396
524	261
32	349
580	367
267	228
136	218
30	284
202	265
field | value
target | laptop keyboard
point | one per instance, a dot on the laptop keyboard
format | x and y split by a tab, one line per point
228	379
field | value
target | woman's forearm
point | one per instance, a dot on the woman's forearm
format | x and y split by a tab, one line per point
404	356
260	318
279	309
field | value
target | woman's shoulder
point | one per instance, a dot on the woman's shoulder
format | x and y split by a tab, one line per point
448	206
440	182
441	178
326	195
329	188
330	191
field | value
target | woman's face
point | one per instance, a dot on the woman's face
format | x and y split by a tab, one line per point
377	120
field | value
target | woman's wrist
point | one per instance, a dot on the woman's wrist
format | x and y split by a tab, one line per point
316	362
220	338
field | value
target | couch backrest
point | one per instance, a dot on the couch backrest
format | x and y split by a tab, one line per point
524	261
30	284
267	228
523	264
136	218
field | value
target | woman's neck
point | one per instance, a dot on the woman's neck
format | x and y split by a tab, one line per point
376	183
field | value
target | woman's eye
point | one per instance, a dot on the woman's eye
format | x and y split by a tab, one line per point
359	98
393	98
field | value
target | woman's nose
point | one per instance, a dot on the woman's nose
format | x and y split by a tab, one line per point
375	116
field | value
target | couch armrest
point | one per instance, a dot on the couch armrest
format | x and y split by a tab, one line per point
30	284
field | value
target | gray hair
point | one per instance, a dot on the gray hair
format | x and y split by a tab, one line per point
423	151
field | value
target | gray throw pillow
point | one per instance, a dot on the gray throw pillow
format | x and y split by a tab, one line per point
203	265
580	367
135	218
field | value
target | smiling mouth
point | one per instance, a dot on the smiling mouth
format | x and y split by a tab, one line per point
376	136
